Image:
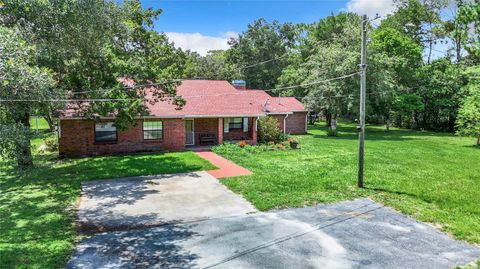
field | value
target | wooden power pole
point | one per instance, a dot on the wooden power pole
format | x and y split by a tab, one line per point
363	84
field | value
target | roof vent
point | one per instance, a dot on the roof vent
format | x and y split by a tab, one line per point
239	84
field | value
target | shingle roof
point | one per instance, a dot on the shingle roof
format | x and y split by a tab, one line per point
216	98
220	98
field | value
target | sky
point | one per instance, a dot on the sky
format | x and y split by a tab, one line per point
201	25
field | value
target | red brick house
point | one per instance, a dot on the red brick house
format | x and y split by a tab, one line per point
215	112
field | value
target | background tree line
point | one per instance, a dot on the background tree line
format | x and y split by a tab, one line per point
91	49
411	83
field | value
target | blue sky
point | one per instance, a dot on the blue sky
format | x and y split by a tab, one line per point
204	25
217	17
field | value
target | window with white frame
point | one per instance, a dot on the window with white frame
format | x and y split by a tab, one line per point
105	132
235	123
152	130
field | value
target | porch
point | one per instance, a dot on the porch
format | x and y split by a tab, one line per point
211	131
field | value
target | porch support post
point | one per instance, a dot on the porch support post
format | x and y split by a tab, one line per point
254	131
220	131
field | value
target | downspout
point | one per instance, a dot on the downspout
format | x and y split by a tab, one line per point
306	123
285	124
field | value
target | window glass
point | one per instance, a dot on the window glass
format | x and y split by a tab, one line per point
236	123
152	130
105	131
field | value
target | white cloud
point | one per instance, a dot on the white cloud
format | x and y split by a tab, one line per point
200	43
371	7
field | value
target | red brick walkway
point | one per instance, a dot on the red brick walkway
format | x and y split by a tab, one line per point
226	167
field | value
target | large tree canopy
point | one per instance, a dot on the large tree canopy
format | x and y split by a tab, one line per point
20	80
468	121
89	46
263	41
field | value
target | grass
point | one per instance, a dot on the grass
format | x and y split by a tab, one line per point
434	177
36	217
42	123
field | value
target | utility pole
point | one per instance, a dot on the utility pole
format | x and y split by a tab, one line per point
363	84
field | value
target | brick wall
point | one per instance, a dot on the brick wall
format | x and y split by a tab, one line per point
296	123
78	138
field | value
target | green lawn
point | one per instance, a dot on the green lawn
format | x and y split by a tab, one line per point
434	177
36	217
42	123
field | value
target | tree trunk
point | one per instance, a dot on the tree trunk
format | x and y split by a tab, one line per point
51	123
328	118
24	148
478	141
333	123
387	124
451	123
312	118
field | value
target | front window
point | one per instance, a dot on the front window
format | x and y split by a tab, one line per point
105	132
236	123
152	130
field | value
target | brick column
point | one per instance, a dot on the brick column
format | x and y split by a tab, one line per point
254	131
220	131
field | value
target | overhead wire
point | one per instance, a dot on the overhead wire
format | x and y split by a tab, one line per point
186	96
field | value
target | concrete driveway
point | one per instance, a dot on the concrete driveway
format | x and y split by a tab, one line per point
353	234
152	200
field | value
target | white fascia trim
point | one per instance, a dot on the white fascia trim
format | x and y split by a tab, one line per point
112	118
223	116
281	113
175	117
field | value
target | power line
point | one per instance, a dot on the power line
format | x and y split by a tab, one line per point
441	51
73	100
130	87
313	83
187	96
264	62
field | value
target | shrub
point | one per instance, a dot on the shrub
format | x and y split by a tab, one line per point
332	132
268	130
14	138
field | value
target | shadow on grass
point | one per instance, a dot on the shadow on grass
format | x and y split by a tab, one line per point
375	133
36	216
473	146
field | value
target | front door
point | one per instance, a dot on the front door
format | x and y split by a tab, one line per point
189	133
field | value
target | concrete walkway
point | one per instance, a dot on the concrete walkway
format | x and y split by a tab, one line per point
353	234
226	167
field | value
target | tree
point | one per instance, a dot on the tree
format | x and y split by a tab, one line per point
439	85
465	30
69	36
21	80
262	41
213	66
468	121
90	44
331	48
394	59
